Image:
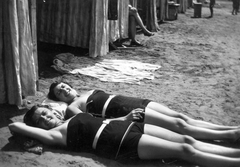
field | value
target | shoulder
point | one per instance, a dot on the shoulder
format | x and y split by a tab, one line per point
59	134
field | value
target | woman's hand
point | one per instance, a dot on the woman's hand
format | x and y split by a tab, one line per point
135	115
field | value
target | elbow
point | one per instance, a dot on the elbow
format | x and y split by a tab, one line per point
15	127
12	128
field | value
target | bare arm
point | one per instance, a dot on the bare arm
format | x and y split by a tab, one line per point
134	115
44	136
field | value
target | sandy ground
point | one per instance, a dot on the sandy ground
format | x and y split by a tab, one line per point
199	76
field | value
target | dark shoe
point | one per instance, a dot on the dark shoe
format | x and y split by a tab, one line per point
148	34
112	46
135	43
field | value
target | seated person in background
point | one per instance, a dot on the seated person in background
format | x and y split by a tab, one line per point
117	139
135	19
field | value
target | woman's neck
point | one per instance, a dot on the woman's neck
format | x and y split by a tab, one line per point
60	122
75	98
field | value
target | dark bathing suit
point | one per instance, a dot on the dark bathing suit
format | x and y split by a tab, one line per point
115	106
118	139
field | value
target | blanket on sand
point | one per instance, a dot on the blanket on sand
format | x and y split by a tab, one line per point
108	70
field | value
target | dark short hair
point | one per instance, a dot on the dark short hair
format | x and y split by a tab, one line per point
51	95
28	117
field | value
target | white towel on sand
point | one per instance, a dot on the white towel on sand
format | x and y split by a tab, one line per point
108	70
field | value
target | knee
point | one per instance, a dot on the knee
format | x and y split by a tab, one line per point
181	123
189	140
183	117
188	150
133	11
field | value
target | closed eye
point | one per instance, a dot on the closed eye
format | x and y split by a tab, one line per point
60	90
39	121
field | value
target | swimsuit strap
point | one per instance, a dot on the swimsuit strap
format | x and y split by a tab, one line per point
104	124
125	134
106	105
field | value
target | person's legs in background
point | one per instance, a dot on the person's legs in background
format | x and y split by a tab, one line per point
134	20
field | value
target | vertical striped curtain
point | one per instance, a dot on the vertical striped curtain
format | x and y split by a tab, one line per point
151	16
72	22
183	6
114	33
2	70
65	22
134	3
163	9
123	18
98	43
17	66
119	28
190	3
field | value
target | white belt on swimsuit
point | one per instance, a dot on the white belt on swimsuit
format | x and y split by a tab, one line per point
105	122
125	134
106	105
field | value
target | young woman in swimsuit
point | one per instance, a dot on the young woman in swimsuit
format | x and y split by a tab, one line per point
106	105
121	139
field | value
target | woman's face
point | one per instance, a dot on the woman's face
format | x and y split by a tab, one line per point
45	118
64	92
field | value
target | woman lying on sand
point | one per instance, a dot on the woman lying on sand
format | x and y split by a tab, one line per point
121	139
106	105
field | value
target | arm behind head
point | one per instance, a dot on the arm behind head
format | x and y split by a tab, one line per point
44	136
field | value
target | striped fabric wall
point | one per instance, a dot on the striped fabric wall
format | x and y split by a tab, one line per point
162	7
81	23
183	6
151	16
77	23
17	66
65	22
118	29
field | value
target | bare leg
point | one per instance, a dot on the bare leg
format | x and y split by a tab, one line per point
133	12
150	147
197	123
198	145
132	31
180	126
211	10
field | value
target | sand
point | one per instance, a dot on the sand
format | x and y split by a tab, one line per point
199	76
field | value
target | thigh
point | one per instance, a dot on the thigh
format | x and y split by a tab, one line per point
163	133
162	109
150	147
157	118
